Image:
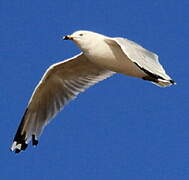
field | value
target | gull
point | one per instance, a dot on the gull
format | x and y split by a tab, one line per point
101	57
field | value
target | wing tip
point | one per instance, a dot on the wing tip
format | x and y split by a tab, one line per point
22	138
34	140
21	145
18	147
172	82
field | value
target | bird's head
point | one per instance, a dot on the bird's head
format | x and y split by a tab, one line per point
85	40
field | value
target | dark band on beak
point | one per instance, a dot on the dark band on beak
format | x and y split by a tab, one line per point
67	38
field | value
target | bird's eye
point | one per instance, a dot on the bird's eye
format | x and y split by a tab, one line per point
80	34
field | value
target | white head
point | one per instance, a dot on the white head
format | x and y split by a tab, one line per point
85	40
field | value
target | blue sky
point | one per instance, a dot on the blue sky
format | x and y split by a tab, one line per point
122	128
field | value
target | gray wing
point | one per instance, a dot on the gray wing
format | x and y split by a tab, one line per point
146	60
60	84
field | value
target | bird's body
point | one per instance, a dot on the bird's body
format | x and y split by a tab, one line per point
101	57
111	57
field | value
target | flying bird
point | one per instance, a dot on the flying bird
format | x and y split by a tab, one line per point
101	57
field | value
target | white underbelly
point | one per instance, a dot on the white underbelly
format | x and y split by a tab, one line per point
117	62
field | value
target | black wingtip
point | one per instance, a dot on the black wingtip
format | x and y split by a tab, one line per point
19	142
17	151
18	147
172	82
24	146
34	140
21	138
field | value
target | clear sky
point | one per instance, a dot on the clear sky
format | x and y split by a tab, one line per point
122	128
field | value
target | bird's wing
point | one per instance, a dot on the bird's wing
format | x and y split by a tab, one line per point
144	59
60	84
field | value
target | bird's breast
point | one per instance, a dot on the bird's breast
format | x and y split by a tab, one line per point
102	55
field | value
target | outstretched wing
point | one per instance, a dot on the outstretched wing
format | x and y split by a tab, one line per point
60	84
145	60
